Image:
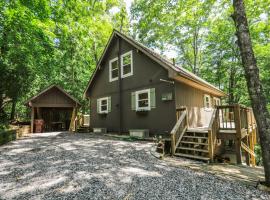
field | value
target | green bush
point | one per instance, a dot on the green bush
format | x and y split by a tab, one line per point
7	136
258	154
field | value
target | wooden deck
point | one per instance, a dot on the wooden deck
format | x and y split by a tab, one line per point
231	123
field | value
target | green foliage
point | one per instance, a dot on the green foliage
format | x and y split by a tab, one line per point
46	42
7	136
202	36
258	155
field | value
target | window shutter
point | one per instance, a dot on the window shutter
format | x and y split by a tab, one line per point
98	102
152	98
109	104
133	101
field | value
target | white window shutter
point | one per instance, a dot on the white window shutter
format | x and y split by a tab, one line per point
152	98
133	101
109	104
98	102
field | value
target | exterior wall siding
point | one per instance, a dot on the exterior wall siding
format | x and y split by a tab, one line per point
146	74
53	97
193	99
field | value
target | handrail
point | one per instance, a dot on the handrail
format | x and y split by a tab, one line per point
247	149
212	119
178	131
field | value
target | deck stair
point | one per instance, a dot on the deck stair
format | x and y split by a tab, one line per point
194	145
234	123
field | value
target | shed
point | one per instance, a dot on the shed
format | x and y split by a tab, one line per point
56	107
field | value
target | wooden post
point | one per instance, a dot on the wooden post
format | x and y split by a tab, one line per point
210	145
237	122
173	144
32	119
246	153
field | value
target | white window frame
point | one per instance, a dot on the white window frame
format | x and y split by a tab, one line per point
137	100
131	64
217	100
110	70
100	105
205	103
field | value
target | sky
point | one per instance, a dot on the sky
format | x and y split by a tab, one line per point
128	3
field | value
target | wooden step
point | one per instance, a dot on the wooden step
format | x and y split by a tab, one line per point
196	143
197	137
194	130
192	149
192	156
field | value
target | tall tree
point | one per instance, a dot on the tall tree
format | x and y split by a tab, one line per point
255	89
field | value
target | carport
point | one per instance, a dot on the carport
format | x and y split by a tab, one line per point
56	107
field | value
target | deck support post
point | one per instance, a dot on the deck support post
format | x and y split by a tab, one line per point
246	153
32	119
238	134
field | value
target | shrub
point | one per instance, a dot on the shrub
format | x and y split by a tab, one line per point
258	154
7	136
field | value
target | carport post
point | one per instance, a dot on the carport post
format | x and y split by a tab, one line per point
32	119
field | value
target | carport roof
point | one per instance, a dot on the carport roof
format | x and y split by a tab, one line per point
43	92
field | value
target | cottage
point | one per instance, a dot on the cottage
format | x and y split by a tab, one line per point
135	88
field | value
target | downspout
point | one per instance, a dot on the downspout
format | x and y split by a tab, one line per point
119	85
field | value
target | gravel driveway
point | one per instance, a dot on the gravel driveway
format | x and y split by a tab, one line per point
84	166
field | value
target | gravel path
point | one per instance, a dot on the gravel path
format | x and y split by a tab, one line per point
84	166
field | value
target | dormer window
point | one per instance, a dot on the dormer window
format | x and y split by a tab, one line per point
126	64
113	73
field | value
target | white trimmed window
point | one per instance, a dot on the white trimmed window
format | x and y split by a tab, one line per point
143	100
216	101
104	105
113	67
207	101
126	64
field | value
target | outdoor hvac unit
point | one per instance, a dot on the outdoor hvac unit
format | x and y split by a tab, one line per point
99	130
141	133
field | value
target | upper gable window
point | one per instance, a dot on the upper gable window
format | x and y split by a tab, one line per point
126	64
113	73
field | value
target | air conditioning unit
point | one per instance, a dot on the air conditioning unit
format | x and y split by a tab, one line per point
99	130
141	133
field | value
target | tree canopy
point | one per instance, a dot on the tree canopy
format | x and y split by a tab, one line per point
45	42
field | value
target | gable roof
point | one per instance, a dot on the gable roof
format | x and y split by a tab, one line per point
27	103
180	74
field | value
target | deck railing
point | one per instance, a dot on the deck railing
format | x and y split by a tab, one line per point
212	133
242	121
230	115
179	128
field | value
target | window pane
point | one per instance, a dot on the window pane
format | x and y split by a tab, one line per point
114	64
127	69
127	60
143	103
103	107
143	96
104	102
114	73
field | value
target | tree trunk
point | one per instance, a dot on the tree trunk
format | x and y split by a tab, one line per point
255	88
13	108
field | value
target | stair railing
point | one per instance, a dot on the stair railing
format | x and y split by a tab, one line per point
212	133
179	130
